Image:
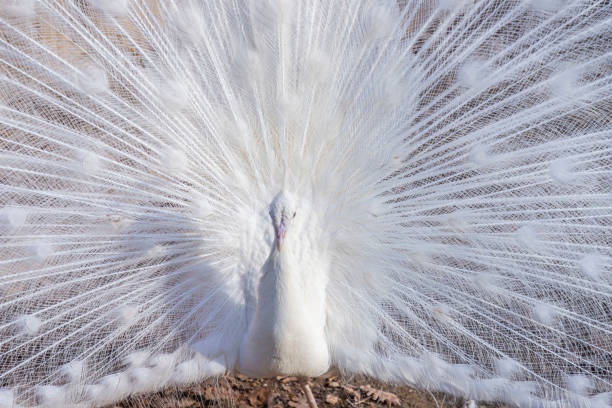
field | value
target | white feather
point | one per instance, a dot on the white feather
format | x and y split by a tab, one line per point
580	384
18	8
448	163
92	80
7	398
14	217
113	7
75	371
507	367
29	325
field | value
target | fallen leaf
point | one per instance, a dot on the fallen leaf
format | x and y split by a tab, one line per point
272	399
288	379
332	399
349	390
380	395
299	403
259	397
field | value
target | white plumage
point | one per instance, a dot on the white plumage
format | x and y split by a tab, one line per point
415	190
286	331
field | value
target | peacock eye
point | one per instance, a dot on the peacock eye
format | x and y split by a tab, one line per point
294	214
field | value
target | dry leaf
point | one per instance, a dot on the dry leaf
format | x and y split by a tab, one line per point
380	396
332	399
349	390
272	399
299	403
259	397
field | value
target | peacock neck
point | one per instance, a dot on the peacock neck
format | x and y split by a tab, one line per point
281	296
287	333
282	286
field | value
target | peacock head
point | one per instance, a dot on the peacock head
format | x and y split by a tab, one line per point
282	211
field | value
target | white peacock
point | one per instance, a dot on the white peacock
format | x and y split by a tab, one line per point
419	191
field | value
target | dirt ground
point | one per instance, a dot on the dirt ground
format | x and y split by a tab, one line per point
243	392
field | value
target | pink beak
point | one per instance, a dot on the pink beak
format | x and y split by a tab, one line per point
280	234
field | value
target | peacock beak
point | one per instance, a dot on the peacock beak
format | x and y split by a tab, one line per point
280	234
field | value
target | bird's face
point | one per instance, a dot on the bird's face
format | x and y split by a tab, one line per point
282	212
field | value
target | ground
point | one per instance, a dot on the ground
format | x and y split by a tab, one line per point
243	392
